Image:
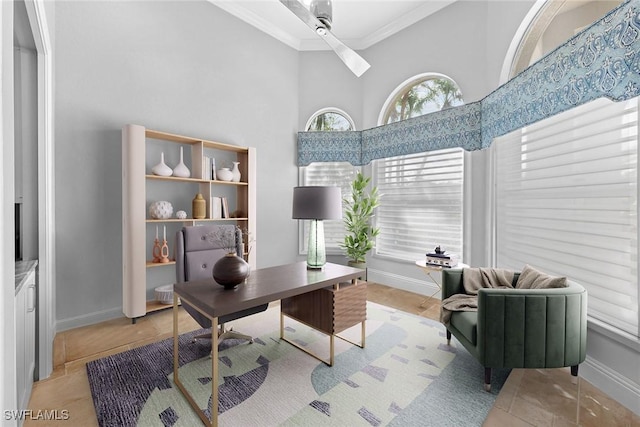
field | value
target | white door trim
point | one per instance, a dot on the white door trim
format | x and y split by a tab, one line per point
46	187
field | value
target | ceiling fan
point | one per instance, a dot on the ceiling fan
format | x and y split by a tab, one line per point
318	18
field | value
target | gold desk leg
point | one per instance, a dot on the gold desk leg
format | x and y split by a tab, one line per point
281	324
214	372
175	337
213	422
283	338
331	349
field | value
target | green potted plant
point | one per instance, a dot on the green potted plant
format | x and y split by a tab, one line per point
359	210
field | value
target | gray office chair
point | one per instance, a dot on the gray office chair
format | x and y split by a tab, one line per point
196	254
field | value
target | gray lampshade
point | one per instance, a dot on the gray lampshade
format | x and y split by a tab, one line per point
317	203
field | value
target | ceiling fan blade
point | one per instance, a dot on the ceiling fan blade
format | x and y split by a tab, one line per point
355	62
351	59
303	13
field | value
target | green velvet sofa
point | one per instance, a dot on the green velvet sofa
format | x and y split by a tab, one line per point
521	328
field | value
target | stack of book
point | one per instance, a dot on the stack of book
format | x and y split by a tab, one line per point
442	259
208	168
218	208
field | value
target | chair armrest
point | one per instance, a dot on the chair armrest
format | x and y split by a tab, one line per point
451	283
532	328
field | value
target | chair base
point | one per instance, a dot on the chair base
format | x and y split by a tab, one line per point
224	334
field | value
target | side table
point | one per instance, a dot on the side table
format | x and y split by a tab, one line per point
428	269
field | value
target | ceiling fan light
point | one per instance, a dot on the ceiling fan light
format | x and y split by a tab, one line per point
321	31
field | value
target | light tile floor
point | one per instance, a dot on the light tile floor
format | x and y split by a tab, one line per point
529	397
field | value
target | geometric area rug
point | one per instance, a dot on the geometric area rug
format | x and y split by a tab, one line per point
406	375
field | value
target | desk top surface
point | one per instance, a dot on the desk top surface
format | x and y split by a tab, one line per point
262	286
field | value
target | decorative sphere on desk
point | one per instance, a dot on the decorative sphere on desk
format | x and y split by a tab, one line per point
230	270
160	210
181	214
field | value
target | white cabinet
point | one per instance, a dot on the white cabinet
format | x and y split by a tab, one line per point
25	312
141	150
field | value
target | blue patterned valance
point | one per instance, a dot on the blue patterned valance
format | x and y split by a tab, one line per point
602	60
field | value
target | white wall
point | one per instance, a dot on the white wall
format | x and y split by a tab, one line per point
183	67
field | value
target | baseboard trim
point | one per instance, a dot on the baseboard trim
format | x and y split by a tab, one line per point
618	387
88	319
422	287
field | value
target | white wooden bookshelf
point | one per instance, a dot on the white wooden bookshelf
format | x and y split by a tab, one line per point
137	240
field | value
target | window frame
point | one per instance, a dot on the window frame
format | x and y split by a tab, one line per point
607	325
326	110
303	238
408	84
428	246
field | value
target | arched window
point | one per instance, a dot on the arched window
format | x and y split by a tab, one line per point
422	205
421	95
329	119
338	174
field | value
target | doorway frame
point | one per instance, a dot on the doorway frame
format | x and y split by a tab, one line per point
46	188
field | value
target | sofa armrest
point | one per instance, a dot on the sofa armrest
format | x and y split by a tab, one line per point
451	283
532	328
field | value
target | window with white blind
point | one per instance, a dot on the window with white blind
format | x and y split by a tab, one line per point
421	203
567	203
339	174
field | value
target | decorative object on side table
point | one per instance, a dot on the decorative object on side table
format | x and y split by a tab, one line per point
235	172
230	270
181	215
160	210
440	258
199	207
161	169
224	174
359	210
316	203
181	170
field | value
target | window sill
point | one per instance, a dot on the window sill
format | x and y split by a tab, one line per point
615	334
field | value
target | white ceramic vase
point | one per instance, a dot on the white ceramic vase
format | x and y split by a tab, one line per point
161	168
224	174
161	210
235	172
181	170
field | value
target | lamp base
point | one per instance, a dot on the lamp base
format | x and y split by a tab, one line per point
316	256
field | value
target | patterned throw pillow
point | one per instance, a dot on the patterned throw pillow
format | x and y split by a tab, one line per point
530	278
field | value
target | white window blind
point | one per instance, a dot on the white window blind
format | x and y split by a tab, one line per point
339	174
421	203
566	203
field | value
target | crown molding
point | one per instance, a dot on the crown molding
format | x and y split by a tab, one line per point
401	23
236	9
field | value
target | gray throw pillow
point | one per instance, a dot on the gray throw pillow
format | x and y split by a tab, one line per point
530	278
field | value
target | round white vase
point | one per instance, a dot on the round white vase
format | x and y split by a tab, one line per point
224	174
181	170
161	168
160	210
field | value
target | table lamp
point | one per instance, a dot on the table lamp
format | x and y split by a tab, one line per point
317	204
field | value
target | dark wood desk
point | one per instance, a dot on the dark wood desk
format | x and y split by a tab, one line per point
262	286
